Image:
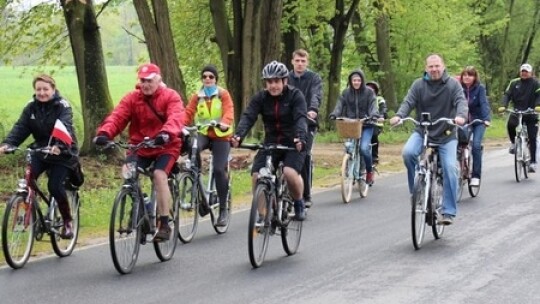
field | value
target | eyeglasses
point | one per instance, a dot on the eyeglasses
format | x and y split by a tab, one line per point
208	76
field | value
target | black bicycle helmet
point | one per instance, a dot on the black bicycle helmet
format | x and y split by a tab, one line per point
374	85
274	70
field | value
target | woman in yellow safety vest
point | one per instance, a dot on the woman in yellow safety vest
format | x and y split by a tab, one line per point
214	103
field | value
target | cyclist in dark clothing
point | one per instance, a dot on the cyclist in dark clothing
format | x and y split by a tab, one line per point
310	84
524	92
283	112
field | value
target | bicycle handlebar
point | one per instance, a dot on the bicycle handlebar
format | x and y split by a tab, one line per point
146	143
191	130
528	111
428	123
265	147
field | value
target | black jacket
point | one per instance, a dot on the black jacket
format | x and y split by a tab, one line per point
354	103
284	116
310	83
38	119
524	93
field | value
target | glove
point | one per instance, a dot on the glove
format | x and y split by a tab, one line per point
100	140
501	109
332	117
161	139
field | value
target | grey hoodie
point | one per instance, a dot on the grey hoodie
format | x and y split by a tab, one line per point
441	98
359	103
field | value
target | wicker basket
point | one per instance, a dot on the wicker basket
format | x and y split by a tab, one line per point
349	128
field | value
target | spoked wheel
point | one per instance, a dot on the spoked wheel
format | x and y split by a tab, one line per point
17	231
291	233
519	164
64	247
418	211
124	232
436	206
165	250
260	224
347	178
526	160
188	210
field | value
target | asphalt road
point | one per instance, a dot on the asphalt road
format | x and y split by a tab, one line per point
356	253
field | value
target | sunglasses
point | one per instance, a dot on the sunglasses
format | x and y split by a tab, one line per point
208	76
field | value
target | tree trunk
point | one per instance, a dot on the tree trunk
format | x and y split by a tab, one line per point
159	40
272	11
291	36
87	50
387	79
340	24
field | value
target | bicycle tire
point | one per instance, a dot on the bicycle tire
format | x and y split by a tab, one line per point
18	232
463	177
473	190
518	160
64	247
363	186
418	211
291	232
188	217
260	224
165	250
125	231
526	159
436	205
223	229
347	178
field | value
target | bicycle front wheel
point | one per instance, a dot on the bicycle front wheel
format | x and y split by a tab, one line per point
436	207
363	186
64	247
165	250
18	231
188	208
124	231
519	164
223	229
418	211
473	190
347	178
291	233
260	224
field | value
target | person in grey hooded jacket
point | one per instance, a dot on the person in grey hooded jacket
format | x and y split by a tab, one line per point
359	101
442	96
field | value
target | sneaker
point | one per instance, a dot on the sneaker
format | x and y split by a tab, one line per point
369	178
446	220
299	210
475	182
67	233
223	218
532	168
512	149
163	234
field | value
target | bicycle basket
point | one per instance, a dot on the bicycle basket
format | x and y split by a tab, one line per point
349	128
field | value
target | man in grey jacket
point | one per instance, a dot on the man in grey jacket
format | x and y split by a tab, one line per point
442	96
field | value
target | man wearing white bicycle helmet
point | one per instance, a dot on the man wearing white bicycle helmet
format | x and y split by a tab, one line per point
283	111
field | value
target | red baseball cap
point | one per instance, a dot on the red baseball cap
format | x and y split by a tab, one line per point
148	71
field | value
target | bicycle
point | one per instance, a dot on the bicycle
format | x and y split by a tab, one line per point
466	162
353	166
195	199
522	156
133	221
426	202
24	220
272	208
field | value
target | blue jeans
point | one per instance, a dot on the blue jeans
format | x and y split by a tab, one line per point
478	135
365	147
447	156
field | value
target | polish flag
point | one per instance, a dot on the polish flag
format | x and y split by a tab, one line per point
60	132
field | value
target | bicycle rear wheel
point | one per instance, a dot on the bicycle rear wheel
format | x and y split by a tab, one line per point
347	178
188	209
18	231
436	207
124	231
291	232
165	250
64	247
260	222
418	211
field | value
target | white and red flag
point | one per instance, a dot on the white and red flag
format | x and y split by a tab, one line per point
60	132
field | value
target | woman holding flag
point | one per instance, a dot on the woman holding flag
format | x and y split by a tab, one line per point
49	119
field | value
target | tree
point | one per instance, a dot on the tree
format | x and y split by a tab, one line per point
159	40
85	41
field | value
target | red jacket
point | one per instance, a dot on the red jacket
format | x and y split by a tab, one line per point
143	122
